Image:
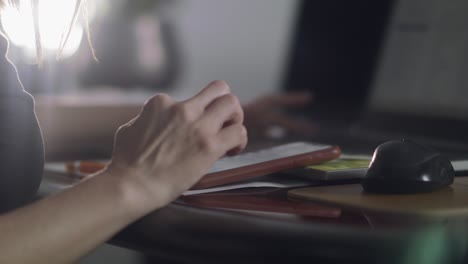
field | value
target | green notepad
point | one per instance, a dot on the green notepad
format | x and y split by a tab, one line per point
339	169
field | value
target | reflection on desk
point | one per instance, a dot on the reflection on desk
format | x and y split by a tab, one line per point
190	234
194	235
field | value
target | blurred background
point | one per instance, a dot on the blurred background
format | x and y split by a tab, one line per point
166	45
143	47
394	64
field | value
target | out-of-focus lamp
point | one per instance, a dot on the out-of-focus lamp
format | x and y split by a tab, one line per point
54	19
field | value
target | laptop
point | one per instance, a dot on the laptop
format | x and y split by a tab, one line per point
382	70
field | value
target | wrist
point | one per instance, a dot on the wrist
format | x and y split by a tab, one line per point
134	194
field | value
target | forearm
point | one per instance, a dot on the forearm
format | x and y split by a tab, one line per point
158	155
68	225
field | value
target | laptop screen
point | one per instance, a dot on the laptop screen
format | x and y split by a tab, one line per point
420	86
423	69
393	66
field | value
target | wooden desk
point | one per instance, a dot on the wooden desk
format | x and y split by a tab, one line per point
183	233
195	235
448	202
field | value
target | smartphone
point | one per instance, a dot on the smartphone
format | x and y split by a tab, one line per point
270	160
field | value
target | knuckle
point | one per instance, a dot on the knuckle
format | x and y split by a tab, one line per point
220	84
182	112
200	132
240	112
243	132
154	100
231	99
206	142
241	115
207	145
236	118
162	97
244	136
158	100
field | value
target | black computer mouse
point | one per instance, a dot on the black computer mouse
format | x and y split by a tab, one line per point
403	166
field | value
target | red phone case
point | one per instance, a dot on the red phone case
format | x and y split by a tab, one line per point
267	167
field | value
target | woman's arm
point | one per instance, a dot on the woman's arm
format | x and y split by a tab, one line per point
157	155
64	227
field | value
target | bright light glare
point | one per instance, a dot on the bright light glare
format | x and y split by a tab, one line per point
54	18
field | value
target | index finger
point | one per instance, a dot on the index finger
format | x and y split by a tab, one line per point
208	94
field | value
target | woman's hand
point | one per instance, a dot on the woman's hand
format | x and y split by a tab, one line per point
170	145
157	156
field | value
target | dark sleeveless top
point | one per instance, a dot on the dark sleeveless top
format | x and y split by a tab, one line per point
21	147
